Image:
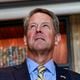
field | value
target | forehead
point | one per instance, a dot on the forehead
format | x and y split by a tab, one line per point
40	16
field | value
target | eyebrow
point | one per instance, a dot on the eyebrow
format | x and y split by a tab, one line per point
42	23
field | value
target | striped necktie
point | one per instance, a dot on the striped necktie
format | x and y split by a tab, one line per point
41	70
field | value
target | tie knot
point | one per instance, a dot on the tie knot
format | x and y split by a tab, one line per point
41	68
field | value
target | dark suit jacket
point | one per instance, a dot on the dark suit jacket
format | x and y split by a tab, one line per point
20	72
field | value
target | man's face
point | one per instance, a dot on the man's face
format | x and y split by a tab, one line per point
40	33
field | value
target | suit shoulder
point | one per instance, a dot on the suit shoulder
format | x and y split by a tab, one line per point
71	75
7	73
75	75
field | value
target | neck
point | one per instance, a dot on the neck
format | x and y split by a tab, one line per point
40	57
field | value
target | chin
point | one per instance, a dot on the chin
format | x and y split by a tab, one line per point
40	48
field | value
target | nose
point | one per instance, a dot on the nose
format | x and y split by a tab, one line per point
38	29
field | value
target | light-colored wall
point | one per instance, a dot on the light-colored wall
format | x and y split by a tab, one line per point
75	41
59	9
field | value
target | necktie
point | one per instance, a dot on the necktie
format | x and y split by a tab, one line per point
41	70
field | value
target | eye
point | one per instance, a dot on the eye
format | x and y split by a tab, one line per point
45	25
32	26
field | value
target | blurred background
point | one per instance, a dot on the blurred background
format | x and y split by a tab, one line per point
12	48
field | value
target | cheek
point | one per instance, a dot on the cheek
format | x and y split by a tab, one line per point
31	35
50	38
49	35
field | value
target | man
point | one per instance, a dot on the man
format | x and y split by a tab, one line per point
41	35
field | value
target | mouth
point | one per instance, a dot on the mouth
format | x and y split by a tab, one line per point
39	38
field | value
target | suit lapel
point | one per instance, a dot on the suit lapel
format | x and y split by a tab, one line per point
21	72
57	73
60	73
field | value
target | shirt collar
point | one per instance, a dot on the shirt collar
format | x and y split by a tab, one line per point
50	66
32	65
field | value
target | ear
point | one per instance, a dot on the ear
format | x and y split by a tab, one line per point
57	38
25	41
25	44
